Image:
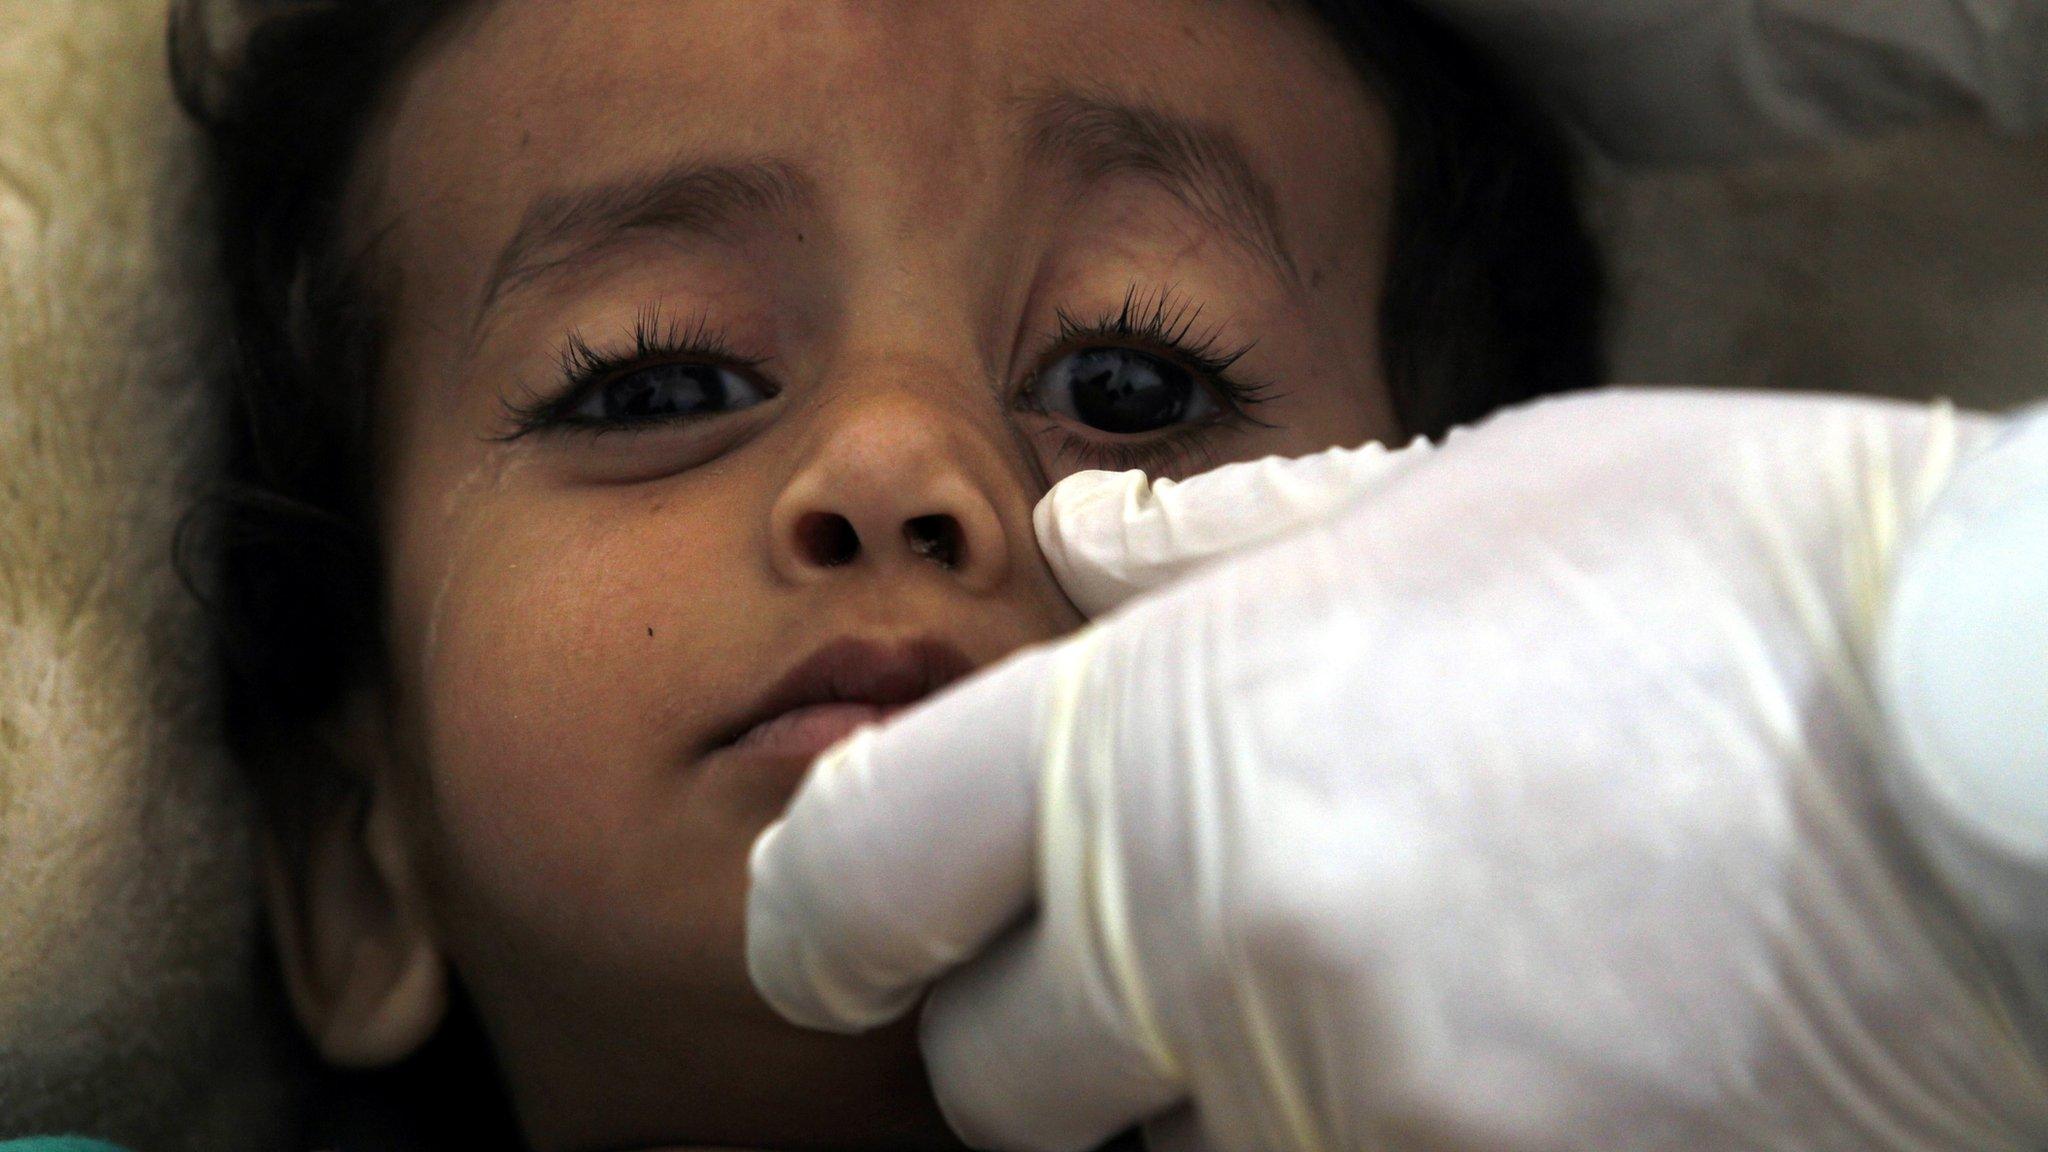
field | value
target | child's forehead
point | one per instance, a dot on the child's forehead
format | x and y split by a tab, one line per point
526	90
922	118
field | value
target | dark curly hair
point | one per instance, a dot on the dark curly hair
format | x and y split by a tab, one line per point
1493	296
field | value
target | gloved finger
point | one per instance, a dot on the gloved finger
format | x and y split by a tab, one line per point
906	850
1110	536
1033	1048
1080	1024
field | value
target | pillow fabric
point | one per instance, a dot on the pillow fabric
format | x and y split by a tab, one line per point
129	1002
1687	80
1911	265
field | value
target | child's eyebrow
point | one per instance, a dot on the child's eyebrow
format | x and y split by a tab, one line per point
1092	136
1098	136
704	198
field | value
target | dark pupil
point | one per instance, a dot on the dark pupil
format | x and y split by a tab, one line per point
1119	390
667	390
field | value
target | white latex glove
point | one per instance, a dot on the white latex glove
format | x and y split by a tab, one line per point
1527	800
1679	80
1111	536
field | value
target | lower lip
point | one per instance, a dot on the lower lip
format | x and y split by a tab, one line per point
805	732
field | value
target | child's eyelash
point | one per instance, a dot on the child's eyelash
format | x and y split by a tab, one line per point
582	367
1161	322
655	337
1188	450
1163	319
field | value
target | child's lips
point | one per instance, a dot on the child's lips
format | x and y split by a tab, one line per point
843	685
807	731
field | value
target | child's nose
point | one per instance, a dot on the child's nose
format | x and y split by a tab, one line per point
896	483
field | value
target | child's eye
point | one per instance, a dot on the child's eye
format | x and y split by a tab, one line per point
671	373
1146	389
662	392
1122	391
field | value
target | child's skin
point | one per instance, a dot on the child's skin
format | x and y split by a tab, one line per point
580	620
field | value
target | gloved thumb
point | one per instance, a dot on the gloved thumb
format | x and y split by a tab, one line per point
1111	536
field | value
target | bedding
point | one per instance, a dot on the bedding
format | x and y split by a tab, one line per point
1910	266
128	1007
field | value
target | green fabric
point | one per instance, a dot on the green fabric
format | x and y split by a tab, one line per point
58	1144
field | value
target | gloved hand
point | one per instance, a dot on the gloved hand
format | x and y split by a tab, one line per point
1526	797
1683	80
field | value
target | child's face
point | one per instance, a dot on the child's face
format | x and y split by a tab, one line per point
812	260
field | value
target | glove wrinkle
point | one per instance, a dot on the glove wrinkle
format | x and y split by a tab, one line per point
1081	827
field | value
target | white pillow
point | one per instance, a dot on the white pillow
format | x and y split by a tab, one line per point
1684	80
128	1001
1913	266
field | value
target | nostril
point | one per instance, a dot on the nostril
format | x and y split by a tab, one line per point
827	539
938	539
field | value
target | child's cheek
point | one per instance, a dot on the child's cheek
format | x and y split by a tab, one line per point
567	649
